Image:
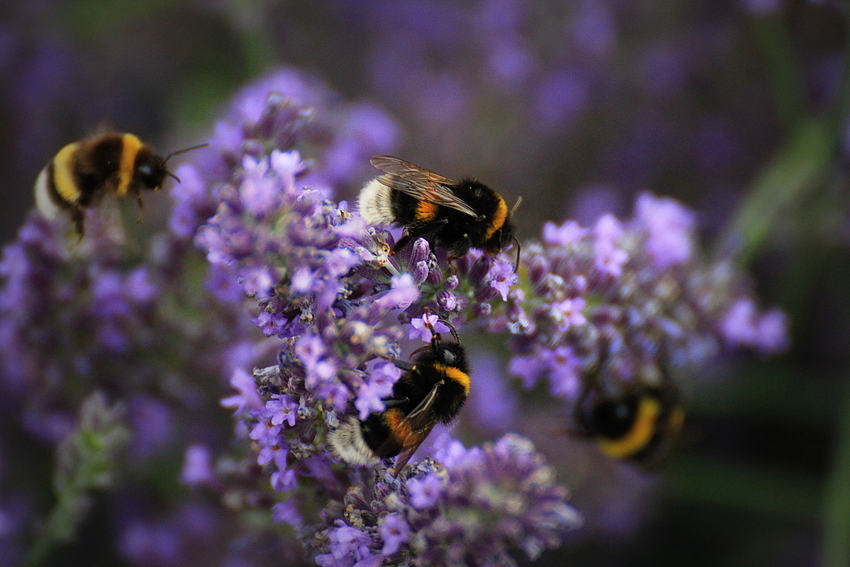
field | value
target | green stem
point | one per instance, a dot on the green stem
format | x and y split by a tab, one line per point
86	462
835	546
797	169
780	63
801	164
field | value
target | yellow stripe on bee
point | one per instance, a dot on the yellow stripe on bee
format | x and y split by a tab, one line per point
499	218
640	434
455	374
63	173
426	211
130	146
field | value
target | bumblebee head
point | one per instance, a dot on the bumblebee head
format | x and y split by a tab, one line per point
610	418
151	171
450	354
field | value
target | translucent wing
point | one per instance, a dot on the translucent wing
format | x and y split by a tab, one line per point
408	452
419	417
420	183
421	422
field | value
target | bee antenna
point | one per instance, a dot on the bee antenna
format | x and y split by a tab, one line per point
183	151
451	329
172	175
517	204
518	252
446	323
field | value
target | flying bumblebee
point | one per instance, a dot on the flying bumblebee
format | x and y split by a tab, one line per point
638	423
83	172
456	215
431	390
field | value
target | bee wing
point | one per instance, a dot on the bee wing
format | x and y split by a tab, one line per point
408	452
421	183
421	423
419	417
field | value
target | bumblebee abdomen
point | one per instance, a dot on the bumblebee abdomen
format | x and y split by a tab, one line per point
640	431
378	435
64	176
410	211
81	172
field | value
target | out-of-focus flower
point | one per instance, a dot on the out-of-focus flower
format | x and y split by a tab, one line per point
470	510
326	286
633	296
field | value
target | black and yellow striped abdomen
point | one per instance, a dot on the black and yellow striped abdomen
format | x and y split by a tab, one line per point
639	425
81	173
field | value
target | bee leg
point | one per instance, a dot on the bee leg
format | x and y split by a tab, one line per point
78	217
427	231
141	209
401	364
402	242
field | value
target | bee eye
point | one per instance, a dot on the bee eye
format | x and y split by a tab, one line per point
449	357
150	174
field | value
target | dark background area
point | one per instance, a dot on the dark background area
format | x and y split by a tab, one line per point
576	106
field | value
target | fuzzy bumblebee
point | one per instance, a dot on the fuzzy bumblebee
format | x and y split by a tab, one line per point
455	215
431	390
635	420
83	172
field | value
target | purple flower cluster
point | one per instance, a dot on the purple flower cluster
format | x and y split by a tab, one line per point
75	317
633	294
322	280
107	316
333	293
469	507
335	301
277	112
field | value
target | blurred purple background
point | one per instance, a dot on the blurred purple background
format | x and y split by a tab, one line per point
575	106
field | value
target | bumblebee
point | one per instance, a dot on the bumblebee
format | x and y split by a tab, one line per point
431	390
83	172
638	423
455	215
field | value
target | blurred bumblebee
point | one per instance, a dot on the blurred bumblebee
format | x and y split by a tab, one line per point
635	422
431	390
455	215
83	172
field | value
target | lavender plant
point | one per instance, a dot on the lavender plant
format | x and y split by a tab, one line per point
635	296
329	287
335	304
153	327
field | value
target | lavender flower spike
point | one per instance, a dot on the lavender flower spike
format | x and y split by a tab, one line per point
468	508
627	301
327	288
